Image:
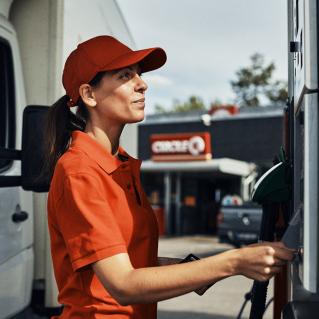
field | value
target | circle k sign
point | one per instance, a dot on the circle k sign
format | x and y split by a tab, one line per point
185	146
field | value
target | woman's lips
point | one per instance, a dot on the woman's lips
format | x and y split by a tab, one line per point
140	100
140	103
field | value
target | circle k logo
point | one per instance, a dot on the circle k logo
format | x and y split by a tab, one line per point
195	145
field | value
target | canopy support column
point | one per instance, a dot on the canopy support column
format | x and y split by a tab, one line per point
178	217
167	202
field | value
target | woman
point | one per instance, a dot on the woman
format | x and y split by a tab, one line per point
103	232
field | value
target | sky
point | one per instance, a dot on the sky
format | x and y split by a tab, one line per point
206	42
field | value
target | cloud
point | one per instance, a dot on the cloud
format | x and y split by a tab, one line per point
206	43
157	80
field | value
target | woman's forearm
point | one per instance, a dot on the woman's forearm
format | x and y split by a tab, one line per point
146	285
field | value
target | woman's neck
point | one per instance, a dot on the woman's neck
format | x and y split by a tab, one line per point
109	138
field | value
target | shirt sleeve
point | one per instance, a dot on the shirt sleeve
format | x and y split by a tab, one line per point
87	222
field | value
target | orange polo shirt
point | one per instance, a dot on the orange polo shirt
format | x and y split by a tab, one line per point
97	208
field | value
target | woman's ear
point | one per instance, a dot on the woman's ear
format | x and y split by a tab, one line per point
86	93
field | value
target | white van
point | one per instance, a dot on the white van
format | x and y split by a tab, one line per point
35	39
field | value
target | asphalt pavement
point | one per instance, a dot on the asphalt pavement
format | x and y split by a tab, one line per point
222	301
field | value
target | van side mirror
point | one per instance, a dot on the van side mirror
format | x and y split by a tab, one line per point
32	152
32	159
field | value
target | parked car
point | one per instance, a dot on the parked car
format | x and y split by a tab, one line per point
239	224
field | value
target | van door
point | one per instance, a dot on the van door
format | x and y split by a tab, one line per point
16	253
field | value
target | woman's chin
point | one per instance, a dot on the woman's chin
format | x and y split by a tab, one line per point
138	117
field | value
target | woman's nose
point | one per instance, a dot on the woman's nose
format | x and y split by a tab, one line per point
140	84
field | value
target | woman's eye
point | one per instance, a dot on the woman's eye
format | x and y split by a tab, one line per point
125	75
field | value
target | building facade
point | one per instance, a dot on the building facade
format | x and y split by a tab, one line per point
192	160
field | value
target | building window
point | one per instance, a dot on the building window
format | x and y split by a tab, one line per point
7	102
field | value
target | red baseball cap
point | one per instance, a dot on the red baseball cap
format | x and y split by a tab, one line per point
104	53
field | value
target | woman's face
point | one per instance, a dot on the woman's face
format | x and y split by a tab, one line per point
120	96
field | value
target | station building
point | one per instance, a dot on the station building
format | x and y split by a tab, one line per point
192	160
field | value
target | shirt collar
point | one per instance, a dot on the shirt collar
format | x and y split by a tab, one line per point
99	154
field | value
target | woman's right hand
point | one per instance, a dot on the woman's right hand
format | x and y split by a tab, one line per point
263	260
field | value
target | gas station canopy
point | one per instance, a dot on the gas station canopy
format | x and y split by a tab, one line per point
221	165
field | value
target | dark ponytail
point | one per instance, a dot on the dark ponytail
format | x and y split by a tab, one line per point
60	123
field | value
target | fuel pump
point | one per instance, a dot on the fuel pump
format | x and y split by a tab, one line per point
271	191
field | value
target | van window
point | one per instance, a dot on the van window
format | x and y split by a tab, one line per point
7	102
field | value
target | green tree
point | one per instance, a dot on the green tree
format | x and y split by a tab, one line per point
159	109
192	104
255	84
278	93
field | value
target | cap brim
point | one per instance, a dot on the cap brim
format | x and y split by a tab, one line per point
148	60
